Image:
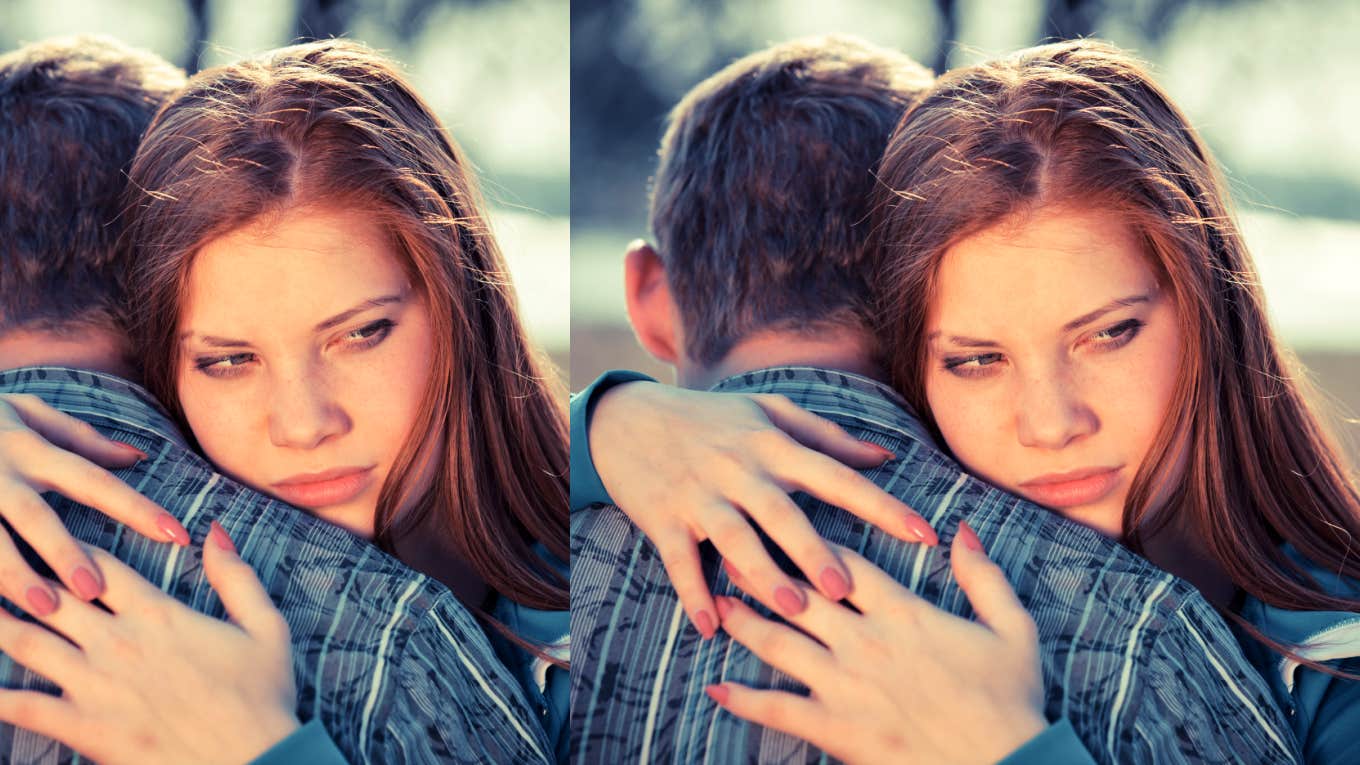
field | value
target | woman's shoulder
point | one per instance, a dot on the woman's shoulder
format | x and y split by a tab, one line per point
1318	704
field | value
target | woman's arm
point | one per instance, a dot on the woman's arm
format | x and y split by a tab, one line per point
42	449
689	466
899	680
149	680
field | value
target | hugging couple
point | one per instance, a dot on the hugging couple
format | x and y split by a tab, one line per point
1058	494
269	297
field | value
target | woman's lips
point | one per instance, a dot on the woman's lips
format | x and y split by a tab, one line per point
1078	487
332	487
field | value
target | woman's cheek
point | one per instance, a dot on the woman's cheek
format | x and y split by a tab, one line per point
969	420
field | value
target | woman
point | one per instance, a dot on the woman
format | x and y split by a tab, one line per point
322	305
1073	313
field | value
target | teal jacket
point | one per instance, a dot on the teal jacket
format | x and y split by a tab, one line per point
1324	710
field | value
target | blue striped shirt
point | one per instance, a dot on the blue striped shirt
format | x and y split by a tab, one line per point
389	662
1136	660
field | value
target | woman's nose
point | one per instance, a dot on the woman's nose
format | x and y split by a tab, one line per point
1052	412
304	412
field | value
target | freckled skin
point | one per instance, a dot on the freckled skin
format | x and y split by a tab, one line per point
1046	399
302	400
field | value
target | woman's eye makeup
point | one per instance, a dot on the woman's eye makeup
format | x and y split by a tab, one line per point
1118	335
228	365
984	364
369	335
975	365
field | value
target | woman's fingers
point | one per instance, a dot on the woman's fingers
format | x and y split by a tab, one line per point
795	715
66	432
819	433
21	584
40	650
731	533
789	527
79	479
781	647
679	553
242	594
46	715
826	620
993	599
38	525
874	589
796	466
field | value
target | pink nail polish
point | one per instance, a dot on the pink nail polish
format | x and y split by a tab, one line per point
718	693
917	527
731	570
172	529
724	606
40	601
132	450
834	583
86	585
703	621
220	538
886	454
969	538
789	602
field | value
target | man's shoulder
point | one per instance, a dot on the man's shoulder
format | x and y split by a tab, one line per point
102	399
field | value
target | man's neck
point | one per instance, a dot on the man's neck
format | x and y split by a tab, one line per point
847	350
90	349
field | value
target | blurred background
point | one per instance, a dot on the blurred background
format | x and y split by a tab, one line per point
494	70
1271	87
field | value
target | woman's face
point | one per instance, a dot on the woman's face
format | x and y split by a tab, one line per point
1052	358
304	357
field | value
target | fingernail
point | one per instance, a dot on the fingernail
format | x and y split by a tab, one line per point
886	454
724	607
970	538
130	449
788	601
703	621
40	601
834	583
220	538
718	693
917	526
86	584
172	529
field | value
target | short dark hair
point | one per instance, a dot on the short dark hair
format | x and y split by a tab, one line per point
72	110
761	193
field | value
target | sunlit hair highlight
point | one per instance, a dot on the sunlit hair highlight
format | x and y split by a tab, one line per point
334	123
1242	461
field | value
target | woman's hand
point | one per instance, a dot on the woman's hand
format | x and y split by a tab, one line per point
687	466
155	681
42	449
901	681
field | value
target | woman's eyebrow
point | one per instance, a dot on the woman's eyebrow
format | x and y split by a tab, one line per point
344	316
1123	302
1077	323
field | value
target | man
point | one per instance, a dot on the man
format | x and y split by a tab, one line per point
760	283
378	649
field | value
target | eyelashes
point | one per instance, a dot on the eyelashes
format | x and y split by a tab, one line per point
985	364
230	365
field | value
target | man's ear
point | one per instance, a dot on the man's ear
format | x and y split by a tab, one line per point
651	310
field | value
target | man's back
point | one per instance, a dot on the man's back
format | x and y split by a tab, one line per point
385	658
1135	659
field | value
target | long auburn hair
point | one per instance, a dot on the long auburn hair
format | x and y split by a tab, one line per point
1242	460
335	122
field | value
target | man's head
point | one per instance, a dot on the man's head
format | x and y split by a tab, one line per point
760	198
71	113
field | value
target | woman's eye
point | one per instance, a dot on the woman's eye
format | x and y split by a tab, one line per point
971	366
371	334
223	366
1118	335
